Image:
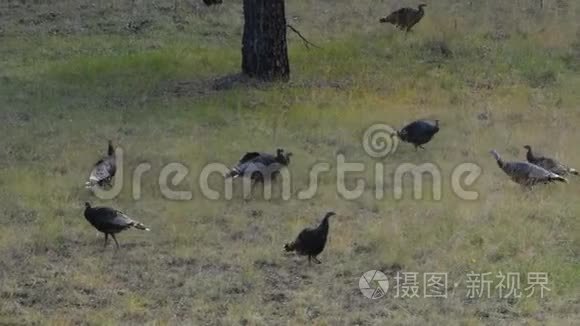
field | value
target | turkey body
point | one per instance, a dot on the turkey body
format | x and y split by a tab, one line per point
110	221
419	132
311	241
405	18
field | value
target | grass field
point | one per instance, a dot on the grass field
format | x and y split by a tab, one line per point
73	74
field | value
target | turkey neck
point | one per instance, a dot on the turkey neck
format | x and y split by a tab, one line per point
530	156
111	150
500	163
88	211
324	226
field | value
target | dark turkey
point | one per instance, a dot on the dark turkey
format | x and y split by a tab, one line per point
104	170
310	242
110	221
212	2
405	18
260	166
418	132
549	164
526	173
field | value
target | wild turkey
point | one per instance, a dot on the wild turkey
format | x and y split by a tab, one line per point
259	166
405	18
110	221
310	242
212	2
549	164
525	173
104	170
418	132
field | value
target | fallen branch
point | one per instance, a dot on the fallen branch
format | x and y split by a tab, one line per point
307	43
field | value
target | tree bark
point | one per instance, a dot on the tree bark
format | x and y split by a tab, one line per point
264	49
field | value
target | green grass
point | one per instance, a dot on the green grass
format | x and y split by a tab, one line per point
66	87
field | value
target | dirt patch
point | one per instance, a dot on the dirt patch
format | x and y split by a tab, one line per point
82	16
196	88
16	215
209	87
435	51
339	84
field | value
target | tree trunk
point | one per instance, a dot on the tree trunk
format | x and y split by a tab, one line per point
264	50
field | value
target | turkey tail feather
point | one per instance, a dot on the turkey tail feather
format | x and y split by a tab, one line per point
289	247
140	226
